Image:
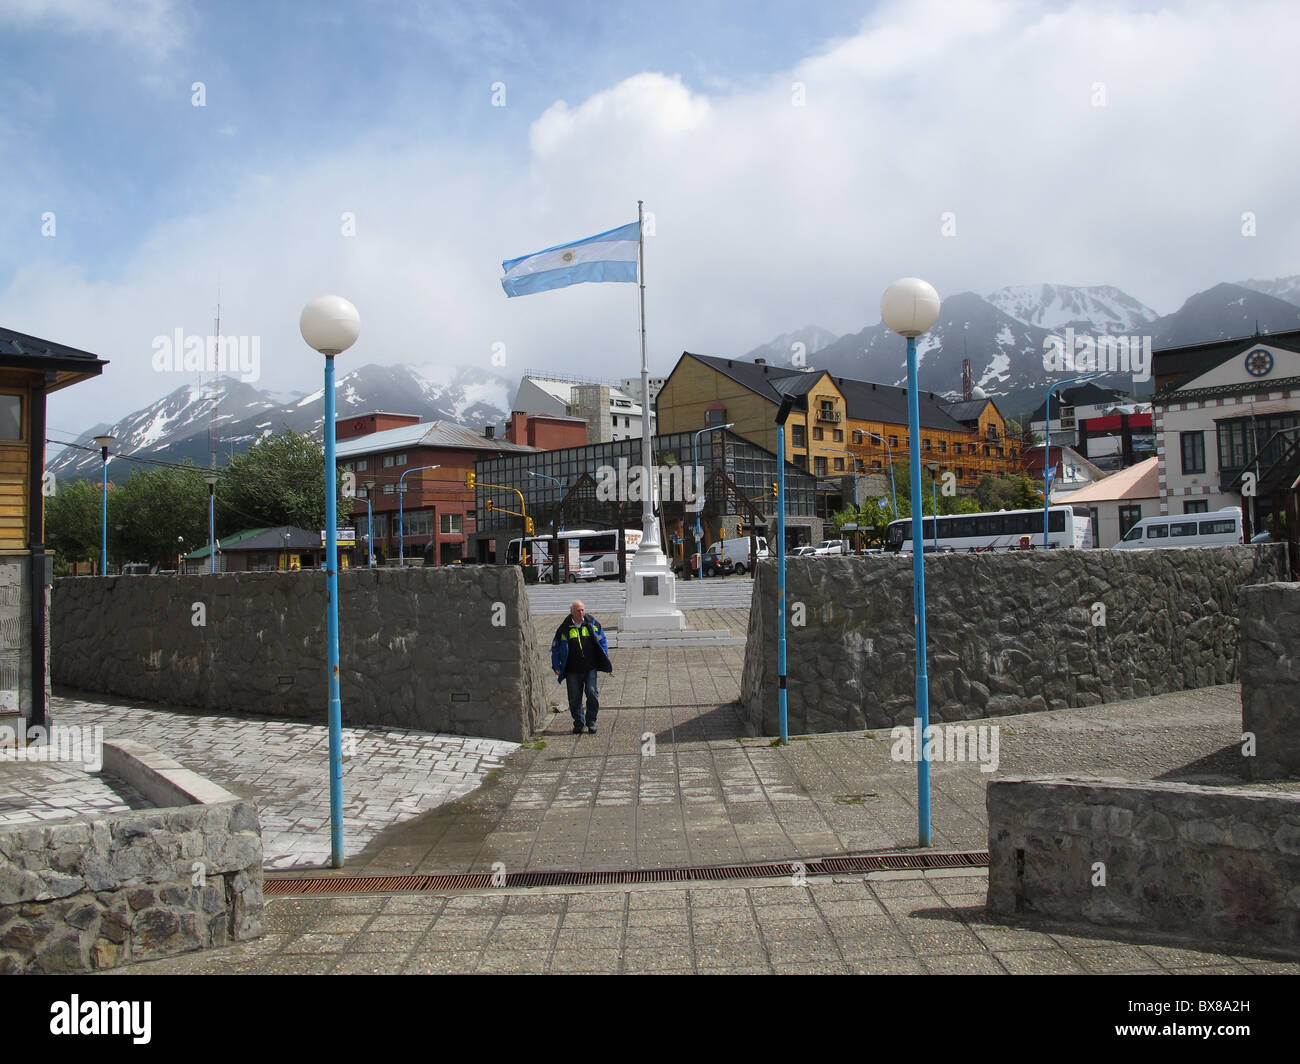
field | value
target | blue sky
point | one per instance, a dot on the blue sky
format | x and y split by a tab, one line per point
797	159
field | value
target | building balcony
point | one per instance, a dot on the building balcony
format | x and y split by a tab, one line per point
833	416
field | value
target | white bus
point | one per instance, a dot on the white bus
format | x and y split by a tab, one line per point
1004	530
1219	529
594	549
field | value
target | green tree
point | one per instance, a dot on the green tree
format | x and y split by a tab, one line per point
1008	493
72	518
150	510
280	480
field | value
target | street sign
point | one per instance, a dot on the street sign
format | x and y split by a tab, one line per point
347	537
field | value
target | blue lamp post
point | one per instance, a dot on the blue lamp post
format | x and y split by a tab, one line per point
104	442
331	325
787	404
370	524
909	307
933	467
401	498
695	458
1047	447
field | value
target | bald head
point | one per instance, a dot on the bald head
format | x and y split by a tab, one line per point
577	610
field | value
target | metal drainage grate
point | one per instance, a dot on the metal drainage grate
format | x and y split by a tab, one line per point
824	866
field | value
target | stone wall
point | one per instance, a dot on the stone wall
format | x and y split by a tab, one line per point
89	893
1208	863
1010	632
1270	678
434	649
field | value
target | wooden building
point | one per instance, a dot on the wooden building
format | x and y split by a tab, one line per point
30	368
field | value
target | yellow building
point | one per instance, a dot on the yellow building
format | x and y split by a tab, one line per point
835	419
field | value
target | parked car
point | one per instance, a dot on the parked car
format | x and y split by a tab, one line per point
583	572
802	552
762	552
832	546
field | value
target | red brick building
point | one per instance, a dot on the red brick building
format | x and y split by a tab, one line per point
392	453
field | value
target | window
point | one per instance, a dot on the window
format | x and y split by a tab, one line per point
839	435
927	445
1193	447
818	434
450	524
828	410
986	450
876	464
839	463
1128	517
1094	515
347	466
797	438
11	417
956	448
893	441
958	473
1222	527
1182	528
857	435
819	467
943	446
388	461
1157	531
401	459
388	489
1196	506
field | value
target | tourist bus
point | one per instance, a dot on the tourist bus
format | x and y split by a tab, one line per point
592	549
1004	530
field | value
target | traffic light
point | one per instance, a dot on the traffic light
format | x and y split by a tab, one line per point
469	480
740	530
774	487
489	506
722	533
528	525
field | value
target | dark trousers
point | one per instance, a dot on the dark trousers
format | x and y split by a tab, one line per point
577	683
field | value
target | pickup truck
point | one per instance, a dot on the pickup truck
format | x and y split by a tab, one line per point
832	546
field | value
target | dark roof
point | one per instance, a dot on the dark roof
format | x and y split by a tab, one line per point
1080	395
969	410
1191	360
20	351
262	539
863	400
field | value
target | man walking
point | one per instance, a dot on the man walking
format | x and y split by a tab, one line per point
578	652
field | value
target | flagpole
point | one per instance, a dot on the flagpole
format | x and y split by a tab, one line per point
649	526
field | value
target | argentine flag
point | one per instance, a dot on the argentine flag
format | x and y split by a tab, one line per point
608	256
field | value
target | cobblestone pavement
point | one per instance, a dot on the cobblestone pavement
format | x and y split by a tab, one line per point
683	786
33	791
388	775
910	923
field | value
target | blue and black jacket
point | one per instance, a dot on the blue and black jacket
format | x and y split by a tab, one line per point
589	636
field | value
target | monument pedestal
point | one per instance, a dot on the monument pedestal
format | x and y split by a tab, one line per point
651	594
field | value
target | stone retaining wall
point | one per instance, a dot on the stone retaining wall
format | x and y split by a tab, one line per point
434	649
96	892
1010	632
1270	678
1208	863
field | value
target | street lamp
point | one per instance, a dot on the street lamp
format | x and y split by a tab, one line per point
401	498
782	706
909	307
695	454
330	325
211	479
889	455
180	555
1047	446
933	467
370	523
556	528
104	442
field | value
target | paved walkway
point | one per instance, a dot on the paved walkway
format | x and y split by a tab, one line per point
35	791
883	924
686	787
388	775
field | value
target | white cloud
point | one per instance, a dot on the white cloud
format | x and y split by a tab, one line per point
153	26
769	215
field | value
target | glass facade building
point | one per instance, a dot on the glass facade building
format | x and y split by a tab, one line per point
752	470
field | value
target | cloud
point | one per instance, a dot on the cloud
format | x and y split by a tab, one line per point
156	27
792	202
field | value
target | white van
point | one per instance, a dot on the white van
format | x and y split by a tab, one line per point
1218	529
760	543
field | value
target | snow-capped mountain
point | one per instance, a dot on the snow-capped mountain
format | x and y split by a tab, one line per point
1287	288
176	426
1004	334
784	348
1056	306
